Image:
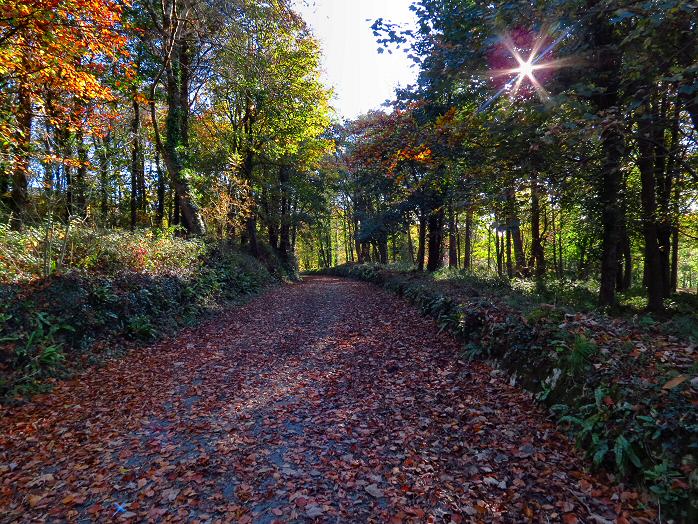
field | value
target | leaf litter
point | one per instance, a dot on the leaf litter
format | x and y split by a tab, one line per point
327	401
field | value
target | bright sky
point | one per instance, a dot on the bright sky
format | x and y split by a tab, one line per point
361	77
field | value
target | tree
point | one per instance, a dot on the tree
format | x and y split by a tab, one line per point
52	54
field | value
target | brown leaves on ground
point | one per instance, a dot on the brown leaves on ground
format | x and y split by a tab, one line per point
327	401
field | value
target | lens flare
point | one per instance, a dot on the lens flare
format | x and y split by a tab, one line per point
519	77
525	69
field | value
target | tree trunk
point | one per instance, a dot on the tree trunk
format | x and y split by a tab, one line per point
421	240
674	259
160	209
81	176
607	58
136	163
357	242
383	250
285	250
498	254
664	181
514	236
510	268
68	175
435	225
468	248
103	156
624	274
452	239
175	149
628	263
489	249
537	251
251	228
653	269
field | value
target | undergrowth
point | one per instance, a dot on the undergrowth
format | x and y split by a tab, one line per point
112	287
53	247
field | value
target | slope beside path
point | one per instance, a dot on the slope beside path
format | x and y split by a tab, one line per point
329	400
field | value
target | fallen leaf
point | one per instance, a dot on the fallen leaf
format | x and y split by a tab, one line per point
675	382
374	491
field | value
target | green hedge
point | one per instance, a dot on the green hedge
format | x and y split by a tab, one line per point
627	425
53	326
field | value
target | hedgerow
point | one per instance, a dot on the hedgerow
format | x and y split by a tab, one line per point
110	292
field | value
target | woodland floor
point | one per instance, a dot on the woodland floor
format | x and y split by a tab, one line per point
329	400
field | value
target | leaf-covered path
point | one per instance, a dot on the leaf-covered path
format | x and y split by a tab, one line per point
328	400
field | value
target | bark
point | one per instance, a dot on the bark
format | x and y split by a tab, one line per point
498	238
628	264
674	259
514	234
421	240
670	206
608	58
285	225
383	251
537	251
160	208
250	236
136	159
103	159
500	254
177	218
624	272
410	244
468	254
270	204
175	147
489	249
67	152
251	229
81	177
688	48
357	243
365	252
5	176
510	268
452	239
664	182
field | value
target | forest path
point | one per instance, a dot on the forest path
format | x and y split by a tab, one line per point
329	400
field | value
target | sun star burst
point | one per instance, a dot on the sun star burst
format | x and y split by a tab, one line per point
523	78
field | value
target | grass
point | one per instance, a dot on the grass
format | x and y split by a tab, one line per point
43	250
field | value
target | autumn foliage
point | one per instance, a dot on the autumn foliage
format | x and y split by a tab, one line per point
61	51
